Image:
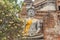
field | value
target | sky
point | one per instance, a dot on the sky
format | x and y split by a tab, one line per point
19	1
23	0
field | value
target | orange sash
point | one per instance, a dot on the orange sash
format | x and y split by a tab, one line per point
26	29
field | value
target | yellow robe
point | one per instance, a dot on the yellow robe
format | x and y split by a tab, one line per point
26	29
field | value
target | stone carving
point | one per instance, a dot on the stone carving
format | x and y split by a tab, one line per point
31	25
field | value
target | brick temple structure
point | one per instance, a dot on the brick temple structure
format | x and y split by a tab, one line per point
49	12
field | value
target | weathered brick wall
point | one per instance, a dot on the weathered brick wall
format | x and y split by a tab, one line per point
51	28
48	24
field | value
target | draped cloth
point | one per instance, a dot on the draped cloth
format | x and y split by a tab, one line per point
27	27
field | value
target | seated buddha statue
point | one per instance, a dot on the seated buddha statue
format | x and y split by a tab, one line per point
31	24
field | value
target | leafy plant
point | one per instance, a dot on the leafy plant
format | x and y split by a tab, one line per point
10	25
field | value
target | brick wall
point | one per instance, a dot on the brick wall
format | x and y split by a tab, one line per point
51	28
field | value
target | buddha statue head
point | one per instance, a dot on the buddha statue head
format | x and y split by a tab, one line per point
30	12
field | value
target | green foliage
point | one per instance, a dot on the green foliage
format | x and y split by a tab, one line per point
10	25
